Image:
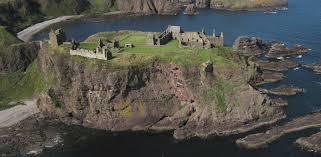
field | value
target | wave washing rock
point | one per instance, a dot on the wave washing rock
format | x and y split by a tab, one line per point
31	136
311	143
160	96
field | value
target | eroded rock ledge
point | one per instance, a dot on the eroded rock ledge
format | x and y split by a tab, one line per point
312	143
252	46
262	139
283	91
314	67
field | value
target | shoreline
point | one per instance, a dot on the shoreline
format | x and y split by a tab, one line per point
27	33
16	114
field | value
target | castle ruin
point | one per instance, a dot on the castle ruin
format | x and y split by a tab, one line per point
101	52
187	39
57	37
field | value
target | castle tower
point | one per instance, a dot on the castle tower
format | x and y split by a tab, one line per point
214	32
57	37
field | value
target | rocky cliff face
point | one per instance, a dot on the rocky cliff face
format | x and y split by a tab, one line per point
148	6
155	97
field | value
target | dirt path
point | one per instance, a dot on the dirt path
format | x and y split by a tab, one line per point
18	113
27	33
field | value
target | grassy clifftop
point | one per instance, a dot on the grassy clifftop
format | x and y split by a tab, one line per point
144	53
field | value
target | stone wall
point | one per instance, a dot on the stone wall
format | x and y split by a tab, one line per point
90	53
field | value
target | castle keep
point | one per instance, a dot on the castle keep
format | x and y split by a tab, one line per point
187	39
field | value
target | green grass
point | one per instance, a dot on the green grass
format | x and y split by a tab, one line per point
6	38
135	38
21	85
89	46
102	6
220	91
170	52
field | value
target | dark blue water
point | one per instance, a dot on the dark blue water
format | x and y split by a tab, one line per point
301	24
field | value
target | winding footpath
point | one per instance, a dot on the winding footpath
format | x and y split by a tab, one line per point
14	115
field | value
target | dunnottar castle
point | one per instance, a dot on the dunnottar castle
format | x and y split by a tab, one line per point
187	39
103	49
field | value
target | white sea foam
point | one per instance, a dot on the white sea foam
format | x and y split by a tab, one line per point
280	58
270	12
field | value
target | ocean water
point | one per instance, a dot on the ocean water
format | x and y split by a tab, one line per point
299	24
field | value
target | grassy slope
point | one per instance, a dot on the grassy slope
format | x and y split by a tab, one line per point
6	38
21	85
18	85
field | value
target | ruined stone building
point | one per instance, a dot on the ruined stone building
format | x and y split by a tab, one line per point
187	39
57	37
101	51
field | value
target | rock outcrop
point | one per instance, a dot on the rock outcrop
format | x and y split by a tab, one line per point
190	9
314	67
160	96
283	91
311	143
260	140
276	65
252	46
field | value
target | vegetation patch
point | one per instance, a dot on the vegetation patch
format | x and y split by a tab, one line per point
21	85
218	94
